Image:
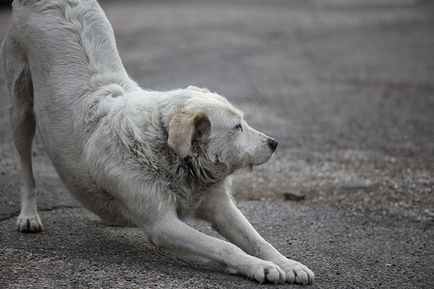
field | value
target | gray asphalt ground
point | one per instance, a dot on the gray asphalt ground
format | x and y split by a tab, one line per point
347	87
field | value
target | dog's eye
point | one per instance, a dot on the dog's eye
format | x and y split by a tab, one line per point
238	127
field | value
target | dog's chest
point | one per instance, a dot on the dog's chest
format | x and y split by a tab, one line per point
189	196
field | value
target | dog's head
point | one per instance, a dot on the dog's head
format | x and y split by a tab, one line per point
206	125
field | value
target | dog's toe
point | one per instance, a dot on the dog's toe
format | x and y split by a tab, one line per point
297	272
29	224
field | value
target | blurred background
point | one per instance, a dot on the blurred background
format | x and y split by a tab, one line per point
346	87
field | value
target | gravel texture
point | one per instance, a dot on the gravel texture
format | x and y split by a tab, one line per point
345	250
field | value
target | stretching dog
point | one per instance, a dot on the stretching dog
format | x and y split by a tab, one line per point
132	156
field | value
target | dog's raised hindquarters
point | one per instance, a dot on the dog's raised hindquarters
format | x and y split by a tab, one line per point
129	155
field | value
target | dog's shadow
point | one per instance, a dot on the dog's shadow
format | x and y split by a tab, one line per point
76	235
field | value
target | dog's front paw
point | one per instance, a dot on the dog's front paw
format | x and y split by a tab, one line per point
296	272
29	224
262	271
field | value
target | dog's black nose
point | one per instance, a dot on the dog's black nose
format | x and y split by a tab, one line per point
272	144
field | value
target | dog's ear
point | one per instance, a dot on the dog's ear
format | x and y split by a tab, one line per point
183	127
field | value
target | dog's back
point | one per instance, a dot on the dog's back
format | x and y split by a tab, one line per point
63	40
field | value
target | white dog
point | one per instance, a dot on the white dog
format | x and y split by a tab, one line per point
132	156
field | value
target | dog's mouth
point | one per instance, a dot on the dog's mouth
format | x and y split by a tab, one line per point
249	168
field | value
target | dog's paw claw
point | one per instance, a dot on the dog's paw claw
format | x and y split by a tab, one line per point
29	224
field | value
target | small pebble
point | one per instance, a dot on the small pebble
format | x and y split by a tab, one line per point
291	196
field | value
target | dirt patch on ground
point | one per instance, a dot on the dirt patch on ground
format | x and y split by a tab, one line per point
359	180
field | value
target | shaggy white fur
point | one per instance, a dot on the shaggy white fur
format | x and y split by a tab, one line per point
132	156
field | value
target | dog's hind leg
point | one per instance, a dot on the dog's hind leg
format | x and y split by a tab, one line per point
19	83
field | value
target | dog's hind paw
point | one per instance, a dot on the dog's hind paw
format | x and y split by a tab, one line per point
29	224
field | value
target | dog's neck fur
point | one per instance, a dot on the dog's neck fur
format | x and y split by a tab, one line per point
194	178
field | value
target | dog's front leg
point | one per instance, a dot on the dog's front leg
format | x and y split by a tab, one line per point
228	220
176	236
